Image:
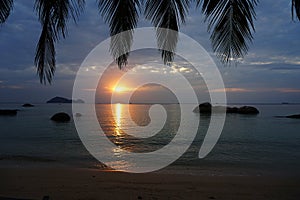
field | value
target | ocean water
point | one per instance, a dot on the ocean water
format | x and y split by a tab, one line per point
258	144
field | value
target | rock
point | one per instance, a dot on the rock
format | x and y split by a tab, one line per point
248	110
27	105
207	109
61	117
294	116
203	108
232	110
78	115
8	112
64	100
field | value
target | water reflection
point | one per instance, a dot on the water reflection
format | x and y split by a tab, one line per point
114	121
118	115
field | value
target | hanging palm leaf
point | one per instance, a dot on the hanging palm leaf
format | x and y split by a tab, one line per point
167	14
121	15
231	23
53	15
296	8
5	9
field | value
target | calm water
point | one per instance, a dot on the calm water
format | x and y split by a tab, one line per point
262	143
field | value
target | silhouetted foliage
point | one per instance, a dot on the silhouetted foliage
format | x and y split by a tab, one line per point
168	15
231	23
296	8
53	16
5	9
121	15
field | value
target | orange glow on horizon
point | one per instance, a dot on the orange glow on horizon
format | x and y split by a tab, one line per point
120	89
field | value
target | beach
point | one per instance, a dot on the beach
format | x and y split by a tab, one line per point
76	184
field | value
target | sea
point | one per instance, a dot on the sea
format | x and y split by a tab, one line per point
248	144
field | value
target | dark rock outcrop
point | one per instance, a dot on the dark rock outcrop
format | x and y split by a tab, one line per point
27	105
206	108
61	117
293	116
232	109
290	116
64	100
248	110
7	112
203	108
78	115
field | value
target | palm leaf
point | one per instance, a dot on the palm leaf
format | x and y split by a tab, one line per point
231	23
167	14
121	15
296	8
5	9
45	53
53	15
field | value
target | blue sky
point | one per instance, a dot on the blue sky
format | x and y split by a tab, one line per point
269	73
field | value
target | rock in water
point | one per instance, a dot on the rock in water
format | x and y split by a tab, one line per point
27	105
203	108
8	112
206	108
248	110
293	116
78	115
61	117
232	110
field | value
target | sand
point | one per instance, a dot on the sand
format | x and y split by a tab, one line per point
87	184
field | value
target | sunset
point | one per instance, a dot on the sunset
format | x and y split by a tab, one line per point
120	89
149	99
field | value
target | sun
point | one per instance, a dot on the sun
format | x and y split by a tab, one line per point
119	89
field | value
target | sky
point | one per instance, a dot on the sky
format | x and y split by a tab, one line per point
269	73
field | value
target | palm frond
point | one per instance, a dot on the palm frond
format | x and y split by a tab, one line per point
53	15
45	53
231	23
121	15
167	14
296	9
5	8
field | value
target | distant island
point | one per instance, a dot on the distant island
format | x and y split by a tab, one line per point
64	100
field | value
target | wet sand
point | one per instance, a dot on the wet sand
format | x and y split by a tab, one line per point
90	184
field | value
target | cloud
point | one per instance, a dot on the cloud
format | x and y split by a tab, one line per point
239	90
288	90
14	87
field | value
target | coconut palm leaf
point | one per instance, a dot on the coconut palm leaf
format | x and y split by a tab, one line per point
231	23
296	9
53	15
121	15
5	9
167	14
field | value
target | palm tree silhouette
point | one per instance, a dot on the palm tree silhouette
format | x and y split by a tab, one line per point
230	23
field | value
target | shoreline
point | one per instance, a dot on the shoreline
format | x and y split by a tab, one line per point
79	183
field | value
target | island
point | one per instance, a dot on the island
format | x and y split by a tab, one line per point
64	100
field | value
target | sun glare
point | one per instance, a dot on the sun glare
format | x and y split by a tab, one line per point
119	89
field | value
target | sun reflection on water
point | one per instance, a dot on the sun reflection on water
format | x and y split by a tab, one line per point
118	116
